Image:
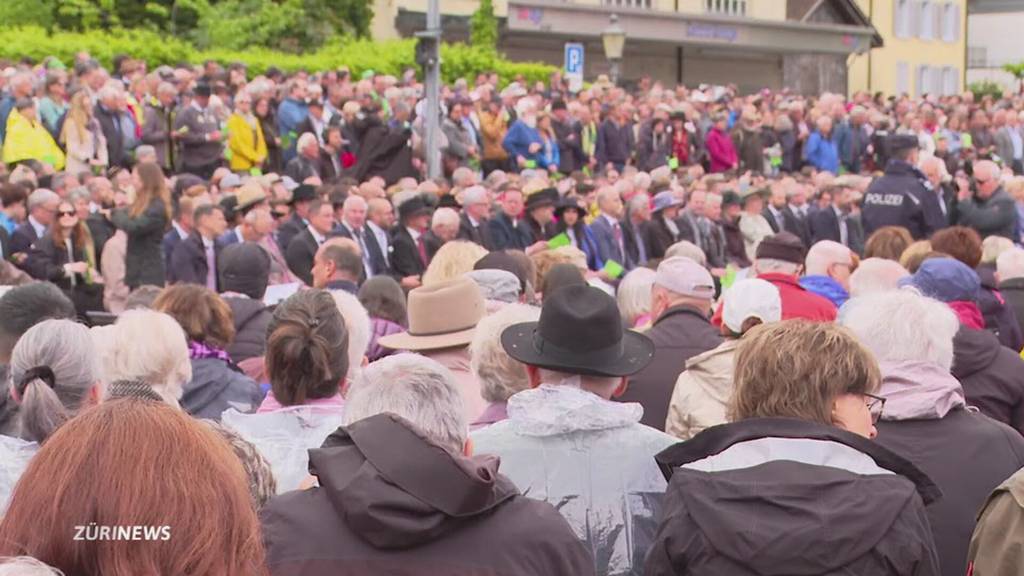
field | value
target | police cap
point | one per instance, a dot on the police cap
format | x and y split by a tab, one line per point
899	142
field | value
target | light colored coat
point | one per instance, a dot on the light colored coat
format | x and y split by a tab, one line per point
702	392
754	228
591	459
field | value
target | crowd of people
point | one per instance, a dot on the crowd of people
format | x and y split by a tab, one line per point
663	330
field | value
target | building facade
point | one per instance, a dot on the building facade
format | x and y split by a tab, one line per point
993	27
924	48
803	45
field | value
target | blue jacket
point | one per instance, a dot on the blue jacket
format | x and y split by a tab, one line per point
548	155
290	114
6	105
826	287
608	246
518	139
822	153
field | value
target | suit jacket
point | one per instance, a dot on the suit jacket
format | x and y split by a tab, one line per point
405	256
1004	145
378	264
22	239
659	237
632	238
790	223
228	238
432	243
824	225
188	262
290	229
193	126
481	234
168	244
506	236
607	244
300	168
300	254
5	244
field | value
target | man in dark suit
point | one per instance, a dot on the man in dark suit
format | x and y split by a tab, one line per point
194	260
835	222
781	218
303	248
300	202
409	256
199	135
508	229
473	222
42	206
635	231
607	228
181	228
353	226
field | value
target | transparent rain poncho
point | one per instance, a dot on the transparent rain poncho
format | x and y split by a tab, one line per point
14	457
285	436
589	458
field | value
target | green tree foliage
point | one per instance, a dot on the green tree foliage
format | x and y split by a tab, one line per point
389	57
985	88
291	25
1018	73
483	26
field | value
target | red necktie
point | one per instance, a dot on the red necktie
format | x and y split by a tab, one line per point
422	250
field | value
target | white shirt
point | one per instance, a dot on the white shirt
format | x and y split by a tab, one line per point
181	231
320	238
39	228
360	239
382	239
414	233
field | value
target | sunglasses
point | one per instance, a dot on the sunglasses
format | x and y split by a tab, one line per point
875	406
278	215
63	213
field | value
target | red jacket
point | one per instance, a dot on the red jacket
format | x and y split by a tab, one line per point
797	302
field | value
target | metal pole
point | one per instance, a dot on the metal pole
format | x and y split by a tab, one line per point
433	86
614	71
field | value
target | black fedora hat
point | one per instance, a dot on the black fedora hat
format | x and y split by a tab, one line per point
580	332
304	193
414	206
541	198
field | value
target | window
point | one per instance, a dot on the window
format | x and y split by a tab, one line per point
950	81
950	22
628	3
727	7
926	20
902	18
902	78
977	57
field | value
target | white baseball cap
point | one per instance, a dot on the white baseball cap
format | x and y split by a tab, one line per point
751	298
685	277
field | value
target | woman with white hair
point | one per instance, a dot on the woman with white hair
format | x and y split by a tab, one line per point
144	354
54	374
634	298
876	275
925	416
500	376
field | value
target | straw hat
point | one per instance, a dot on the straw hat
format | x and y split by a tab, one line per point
442	315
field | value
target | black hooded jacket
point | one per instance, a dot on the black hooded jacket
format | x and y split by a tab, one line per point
392	502
251	319
992	376
783	497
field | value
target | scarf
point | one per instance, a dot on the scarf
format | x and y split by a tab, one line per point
969	314
918	390
199	350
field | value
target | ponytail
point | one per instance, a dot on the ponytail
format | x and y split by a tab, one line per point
42	412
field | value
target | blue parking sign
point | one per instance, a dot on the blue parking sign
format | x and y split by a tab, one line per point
574	65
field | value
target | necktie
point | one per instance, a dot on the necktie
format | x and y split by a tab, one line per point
422	248
211	269
618	239
366	253
844	231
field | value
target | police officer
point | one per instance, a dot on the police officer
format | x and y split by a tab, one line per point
901	196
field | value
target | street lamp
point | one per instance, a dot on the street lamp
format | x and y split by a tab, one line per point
614	39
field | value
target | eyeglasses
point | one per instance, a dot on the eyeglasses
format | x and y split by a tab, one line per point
875	406
278	215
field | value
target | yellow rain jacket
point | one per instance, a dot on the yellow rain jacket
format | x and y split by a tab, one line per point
30	140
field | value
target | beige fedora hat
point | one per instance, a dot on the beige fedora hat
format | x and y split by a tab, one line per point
440	316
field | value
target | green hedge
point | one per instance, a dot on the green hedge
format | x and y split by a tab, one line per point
387	57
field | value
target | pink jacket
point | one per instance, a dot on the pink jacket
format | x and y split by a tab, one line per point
721	150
